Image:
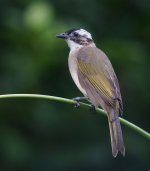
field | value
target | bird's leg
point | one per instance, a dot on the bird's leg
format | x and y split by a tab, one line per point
78	99
92	108
77	104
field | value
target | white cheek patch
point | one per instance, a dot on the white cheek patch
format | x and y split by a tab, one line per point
73	45
84	32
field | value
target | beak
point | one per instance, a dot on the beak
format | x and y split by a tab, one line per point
62	35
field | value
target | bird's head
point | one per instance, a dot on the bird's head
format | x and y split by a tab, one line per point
76	38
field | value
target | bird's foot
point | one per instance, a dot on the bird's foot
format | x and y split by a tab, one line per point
77	105
92	108
77	100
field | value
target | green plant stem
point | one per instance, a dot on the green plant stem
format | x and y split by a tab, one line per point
65	100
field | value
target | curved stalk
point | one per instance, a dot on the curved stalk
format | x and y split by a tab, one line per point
69	101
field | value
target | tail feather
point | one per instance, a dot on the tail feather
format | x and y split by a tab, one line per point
117	143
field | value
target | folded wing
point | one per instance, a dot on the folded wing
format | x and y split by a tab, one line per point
98	78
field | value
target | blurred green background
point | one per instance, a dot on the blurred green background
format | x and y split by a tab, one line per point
40	135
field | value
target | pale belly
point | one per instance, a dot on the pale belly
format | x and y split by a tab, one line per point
73	70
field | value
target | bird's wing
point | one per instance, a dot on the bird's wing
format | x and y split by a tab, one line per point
97	77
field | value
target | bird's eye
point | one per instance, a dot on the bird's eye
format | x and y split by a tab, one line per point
76	34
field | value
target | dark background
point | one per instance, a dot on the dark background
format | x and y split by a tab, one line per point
41	135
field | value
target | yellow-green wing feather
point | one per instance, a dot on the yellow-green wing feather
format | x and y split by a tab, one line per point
97	76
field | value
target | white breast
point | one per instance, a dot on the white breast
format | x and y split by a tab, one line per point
73	70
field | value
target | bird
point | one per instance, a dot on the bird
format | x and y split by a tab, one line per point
93	74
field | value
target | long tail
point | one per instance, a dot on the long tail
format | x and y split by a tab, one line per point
117	143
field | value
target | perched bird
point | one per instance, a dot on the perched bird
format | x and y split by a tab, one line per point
93	74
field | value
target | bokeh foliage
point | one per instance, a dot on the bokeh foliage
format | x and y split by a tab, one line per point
41	135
